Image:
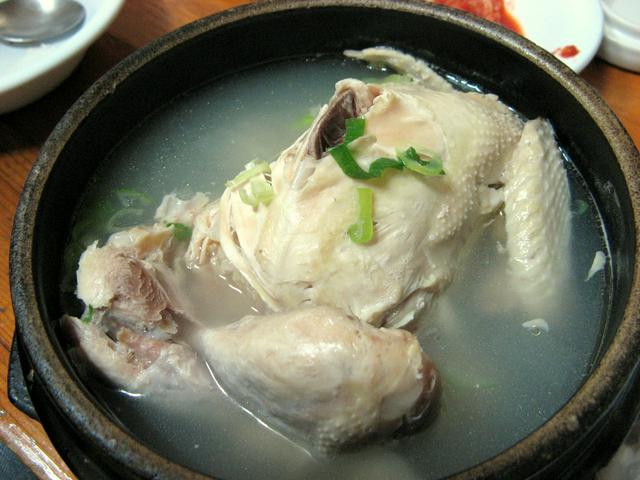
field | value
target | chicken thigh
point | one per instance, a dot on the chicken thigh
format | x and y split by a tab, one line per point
134	305
322	376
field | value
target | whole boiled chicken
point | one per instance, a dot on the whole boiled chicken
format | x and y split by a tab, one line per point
349	234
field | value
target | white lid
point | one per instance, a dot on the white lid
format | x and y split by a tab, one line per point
621	41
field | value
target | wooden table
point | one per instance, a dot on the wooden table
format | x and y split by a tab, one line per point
23	132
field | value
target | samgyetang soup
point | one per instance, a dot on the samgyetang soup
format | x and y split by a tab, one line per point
335	267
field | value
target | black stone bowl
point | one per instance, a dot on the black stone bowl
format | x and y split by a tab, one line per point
576	440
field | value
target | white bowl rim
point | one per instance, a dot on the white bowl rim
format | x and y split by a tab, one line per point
77	44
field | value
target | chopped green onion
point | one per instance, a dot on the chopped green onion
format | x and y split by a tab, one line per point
261	192
128	197
252	169
413	162
343	157
378	166
362	231
87	316
408	158
354	128
248	198
180	231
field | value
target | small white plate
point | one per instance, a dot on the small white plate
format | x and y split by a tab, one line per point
27	73
554	24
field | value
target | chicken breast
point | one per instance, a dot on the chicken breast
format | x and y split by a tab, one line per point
321	375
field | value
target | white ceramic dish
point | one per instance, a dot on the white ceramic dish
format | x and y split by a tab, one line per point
621	42
554	24
27	73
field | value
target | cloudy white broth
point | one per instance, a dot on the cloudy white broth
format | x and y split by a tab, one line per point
500	379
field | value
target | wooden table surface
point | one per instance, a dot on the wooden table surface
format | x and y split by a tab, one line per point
24	131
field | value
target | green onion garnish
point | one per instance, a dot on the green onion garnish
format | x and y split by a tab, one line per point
87	316
180	231
379	165
261	192
411	159
343	157
248	198
362	231
408	158
252	169
354	128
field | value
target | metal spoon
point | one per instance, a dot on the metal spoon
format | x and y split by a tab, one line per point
34	21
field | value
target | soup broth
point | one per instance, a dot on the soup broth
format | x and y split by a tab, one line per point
500	379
